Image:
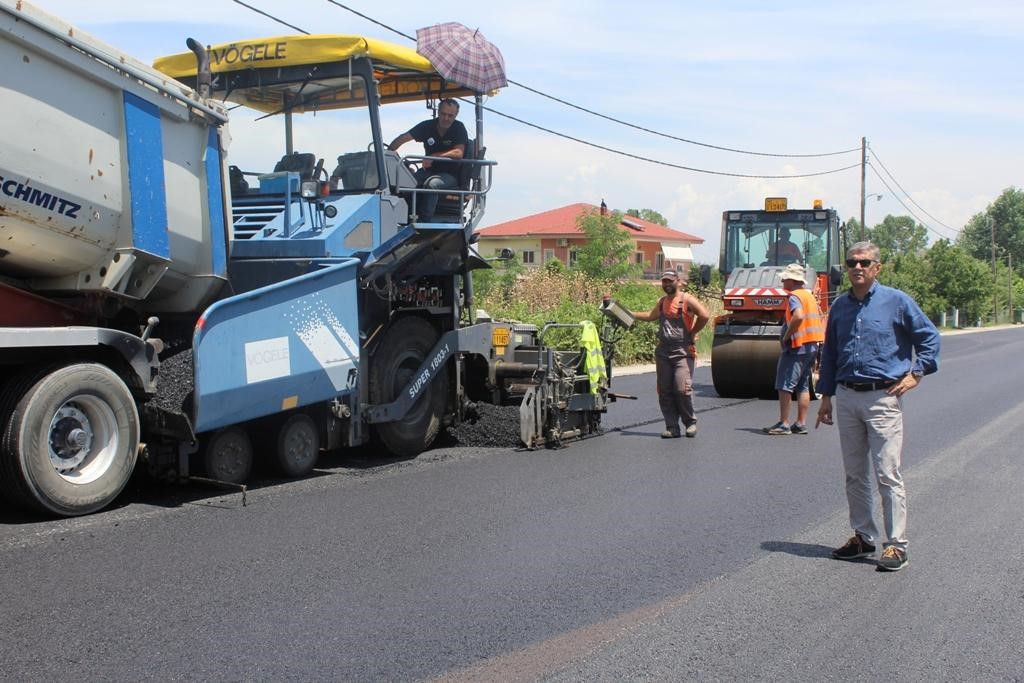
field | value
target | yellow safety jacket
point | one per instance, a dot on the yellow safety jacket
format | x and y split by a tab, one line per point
594	362
812	327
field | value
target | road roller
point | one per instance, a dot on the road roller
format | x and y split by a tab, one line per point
755	247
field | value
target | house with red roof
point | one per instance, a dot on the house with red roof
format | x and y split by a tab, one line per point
555	234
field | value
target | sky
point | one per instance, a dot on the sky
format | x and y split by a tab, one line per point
934	86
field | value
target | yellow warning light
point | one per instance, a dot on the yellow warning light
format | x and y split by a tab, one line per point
817	203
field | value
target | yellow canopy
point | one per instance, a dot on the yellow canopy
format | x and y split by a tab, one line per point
402	74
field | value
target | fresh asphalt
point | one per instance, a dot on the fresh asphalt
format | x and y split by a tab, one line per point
622	557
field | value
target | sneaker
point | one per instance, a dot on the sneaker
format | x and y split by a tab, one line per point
893	559
798	429
691	431
855	548
669	434
777	429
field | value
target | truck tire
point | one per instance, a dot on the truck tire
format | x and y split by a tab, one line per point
298	445
404	348
228	455
70	439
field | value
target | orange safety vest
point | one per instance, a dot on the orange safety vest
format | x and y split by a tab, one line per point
811	328
669	309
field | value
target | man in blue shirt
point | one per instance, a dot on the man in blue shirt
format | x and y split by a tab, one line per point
878	345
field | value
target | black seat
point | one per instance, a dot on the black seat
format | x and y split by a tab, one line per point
469	175
239	186
303	163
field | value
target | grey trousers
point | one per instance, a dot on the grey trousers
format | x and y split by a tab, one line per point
675	388
871	438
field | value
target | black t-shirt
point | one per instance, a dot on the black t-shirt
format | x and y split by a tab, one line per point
434	144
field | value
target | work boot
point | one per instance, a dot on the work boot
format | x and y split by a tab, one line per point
893	559
854	549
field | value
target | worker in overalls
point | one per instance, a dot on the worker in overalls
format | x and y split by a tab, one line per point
680	317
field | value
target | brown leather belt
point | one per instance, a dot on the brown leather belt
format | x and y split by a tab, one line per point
869	386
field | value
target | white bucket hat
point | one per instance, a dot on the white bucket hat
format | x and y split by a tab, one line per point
794	271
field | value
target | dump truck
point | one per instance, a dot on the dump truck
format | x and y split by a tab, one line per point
756	246
162	308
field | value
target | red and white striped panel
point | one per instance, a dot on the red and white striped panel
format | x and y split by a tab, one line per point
756	291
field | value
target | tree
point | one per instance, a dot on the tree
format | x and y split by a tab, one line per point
959	280
913	274
897	236
853	231
607	255
1007	227
649	215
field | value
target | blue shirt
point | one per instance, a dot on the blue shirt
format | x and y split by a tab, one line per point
882	337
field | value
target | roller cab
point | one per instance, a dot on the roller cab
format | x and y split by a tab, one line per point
756	246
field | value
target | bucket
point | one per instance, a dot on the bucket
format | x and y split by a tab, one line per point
617	313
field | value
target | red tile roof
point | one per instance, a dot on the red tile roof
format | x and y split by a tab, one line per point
562	223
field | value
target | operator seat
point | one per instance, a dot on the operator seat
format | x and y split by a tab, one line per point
302	163
450	206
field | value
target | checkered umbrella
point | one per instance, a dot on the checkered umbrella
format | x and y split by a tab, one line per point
462	56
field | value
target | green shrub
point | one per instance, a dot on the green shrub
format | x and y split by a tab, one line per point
538	296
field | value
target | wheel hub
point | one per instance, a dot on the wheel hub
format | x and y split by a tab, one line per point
71	437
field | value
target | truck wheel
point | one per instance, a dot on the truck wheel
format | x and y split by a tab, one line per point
70	439
227	455
403	349
298	445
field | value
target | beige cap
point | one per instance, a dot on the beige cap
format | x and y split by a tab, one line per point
794	271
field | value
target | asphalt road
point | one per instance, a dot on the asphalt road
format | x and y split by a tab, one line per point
623	557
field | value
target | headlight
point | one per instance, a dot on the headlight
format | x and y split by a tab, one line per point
309	189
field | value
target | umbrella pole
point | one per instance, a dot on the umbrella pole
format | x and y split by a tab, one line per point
479	124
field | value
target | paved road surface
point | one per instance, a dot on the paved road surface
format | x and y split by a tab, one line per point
624	557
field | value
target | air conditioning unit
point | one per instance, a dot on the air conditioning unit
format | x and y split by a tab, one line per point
563	242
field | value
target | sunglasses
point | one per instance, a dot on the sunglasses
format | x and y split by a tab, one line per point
862	262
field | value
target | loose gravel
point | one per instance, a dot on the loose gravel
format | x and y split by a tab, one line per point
175	383
497	427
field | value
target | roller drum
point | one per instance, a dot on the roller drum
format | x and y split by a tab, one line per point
744	367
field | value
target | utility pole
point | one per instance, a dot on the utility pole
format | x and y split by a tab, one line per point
1009	284
863	180
995	296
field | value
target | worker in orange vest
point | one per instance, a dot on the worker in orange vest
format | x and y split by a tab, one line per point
801	337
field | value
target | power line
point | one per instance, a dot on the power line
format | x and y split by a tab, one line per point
371	19
570	137
909	210
666	163
612	118
875	154
270	16
674	137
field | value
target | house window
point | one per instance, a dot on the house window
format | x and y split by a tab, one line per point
639	258
528	256
659	262
572	257
549	255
